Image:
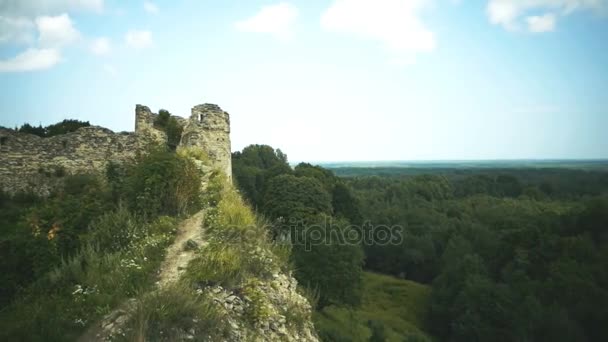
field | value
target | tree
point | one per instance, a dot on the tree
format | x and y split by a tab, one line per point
332	266
288	196
254	167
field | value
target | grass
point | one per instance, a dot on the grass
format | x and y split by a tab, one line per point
241	257
174	313
399	305
85	287
195	153
238	244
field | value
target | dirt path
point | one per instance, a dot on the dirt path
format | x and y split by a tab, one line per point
175	263
178	256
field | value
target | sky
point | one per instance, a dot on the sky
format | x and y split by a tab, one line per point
333	80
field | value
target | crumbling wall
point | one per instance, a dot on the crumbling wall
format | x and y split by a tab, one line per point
32	163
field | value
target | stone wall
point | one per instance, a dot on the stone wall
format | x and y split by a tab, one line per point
32	163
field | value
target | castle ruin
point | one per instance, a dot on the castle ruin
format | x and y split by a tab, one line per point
32	163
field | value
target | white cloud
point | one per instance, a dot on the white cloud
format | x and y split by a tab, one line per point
541	23
276	20
46	7
150	7
16	29
138	39
395	23
31	59
513	14
101	46
56	31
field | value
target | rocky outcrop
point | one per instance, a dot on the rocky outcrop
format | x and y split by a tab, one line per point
277	298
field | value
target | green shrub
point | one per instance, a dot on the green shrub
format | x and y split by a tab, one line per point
163	183
170	126
193	152
115	230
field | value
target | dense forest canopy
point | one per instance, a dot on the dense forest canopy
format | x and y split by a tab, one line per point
510	254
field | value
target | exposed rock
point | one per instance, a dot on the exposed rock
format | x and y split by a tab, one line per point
191	245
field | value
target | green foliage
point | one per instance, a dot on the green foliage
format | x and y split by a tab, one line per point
170	126
114	231
82	289
63	127
289	196
397	307
69	258
254	167
504	265
194	152
163	183
238	245
331	266
325	176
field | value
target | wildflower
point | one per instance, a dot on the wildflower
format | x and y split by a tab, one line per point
53	232
78	290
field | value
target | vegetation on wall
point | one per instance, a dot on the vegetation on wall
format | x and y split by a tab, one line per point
63	127
170	126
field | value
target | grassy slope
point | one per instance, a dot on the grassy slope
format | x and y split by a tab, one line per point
400	305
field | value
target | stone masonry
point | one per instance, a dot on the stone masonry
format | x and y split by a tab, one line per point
32	163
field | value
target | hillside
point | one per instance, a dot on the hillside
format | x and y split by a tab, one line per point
396	307
163	249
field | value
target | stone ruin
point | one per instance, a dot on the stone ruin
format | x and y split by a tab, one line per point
32	163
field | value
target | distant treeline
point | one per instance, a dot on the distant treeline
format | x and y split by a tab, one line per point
561	182
63	127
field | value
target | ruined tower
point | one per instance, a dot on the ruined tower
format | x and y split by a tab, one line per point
31	163
209	129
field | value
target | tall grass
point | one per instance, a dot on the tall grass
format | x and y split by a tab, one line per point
175	313
84	287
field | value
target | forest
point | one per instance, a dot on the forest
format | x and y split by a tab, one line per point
508	254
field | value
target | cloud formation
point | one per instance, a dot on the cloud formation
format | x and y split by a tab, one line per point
516	14
541	23
138	39
47	7
276	20
397	24
31	59
56	31
16	30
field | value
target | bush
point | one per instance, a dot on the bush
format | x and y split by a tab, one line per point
164	183
171	126
193	152
115	231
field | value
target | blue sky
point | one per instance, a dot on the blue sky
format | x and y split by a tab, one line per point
330	80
